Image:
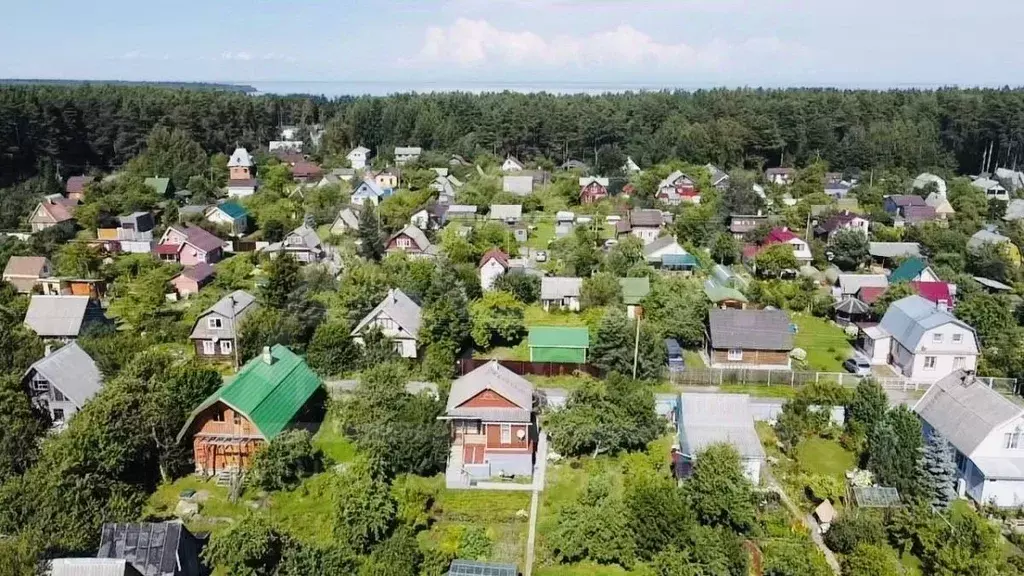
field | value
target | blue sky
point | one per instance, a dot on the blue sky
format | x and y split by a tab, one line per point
656	43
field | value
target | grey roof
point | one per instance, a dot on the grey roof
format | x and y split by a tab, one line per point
243	304
498	379
408	150
518	185
965	410
708	419
555	288
154	549
416	235
750	329
368	188
982	237
852	283
400	308
662	242
91	567
894	249
348	217
851	305
646	218
1014	210
992	284
506	211
927	178
988	184
240	158
56	316
72	371
909	318
460	209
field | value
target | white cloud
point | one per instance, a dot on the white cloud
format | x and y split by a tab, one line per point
475	43
244	56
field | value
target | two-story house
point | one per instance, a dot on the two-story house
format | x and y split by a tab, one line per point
303	243
593	189
493	426
53	211
189	245
844	220
368	191
992	188
215	332
398	318
412	241
406	154
780	176
920	340
801	250
742	224
241	174
493	264
644	224
358	157
677	188
134	233
986	430
61	382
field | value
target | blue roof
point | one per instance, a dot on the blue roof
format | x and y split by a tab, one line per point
908	319
678	260
368	188
232	209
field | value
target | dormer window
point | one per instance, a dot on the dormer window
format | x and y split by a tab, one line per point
214	323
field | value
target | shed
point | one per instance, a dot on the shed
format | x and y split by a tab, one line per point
474	568
559	344
825	513
634	290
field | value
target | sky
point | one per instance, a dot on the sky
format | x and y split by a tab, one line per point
439	44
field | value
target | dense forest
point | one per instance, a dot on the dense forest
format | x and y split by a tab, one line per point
100	127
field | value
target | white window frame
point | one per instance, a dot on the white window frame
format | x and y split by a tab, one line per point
930	362
214	323
209	347
959	362
225	346
506	433
399	346
735	354
937	338
1011	440
403	243
958	338
62	418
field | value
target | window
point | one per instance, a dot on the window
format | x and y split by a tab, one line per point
929	362
58	415
209	347
225	346
398	347
958	338
58	396
403	243
238	419
506	433
218	416
735	354
39	384
1011	440
958	362
214	323
386	323
937	338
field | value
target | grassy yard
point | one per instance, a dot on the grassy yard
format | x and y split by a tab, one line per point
330	439
825	343
544	234
760	391
820	456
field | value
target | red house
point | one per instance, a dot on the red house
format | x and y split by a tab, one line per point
593	189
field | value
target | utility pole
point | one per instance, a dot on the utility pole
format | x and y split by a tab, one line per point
636	341
234	330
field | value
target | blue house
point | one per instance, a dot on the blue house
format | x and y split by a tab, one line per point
369	191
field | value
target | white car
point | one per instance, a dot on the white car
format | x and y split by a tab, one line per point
540	256
858	366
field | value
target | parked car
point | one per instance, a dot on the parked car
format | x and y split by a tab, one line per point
858	366
540	256
610	242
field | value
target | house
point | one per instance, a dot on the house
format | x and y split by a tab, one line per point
930	182
285	146
303	243
91	566
305	171
759	339
493	264
445	185
565	221
61	382
347	220
920	340
801	250
943	209
630	167
192	279
432	217
61	317
634	290
152	548
358	156
268	396
398	318
490	412
835	186
162	186
562	344
981	238
511	164
663	246
780	176
53	212
229	214
89	287
644	224
189	245
984	428
593	189
242	188
573	165
909	209
406	154
723	296
677	188
1012	178
844	220
508	213
708	419
913	270
518	185
888	252
369	191
992	188
412	241
560	293
460	212
24	272
388	178
337	176
851	284
74	188
1014	210
915	215
742	224
215	333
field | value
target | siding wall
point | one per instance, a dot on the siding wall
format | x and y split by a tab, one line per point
752	357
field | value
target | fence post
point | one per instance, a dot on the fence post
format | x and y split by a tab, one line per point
792	379
720	373
816	375
770	378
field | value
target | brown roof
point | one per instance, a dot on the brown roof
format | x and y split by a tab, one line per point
646	218
199	272
76	184
497	254
303	169
29	266
59	211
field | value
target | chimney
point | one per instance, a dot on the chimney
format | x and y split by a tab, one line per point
394	297
48	350
268	358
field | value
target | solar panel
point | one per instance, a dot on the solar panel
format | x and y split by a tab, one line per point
876	496
472	568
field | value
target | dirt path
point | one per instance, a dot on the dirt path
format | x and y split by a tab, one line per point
539	476
808	521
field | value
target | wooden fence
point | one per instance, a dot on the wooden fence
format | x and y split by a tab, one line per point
524	368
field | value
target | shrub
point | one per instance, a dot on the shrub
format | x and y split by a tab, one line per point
824	487
852	530
285	461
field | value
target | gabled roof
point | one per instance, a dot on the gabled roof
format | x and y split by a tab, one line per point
634	289
937	292
982	237
851	283
707	419
908	270
506	211
358	150
496	254
269	395
1014	210
235	305
498	379
233	210
198	272
662	242
717	293
520	185
646	218
77	184
91	567
72	371
904	200
56	316
839	220
408	150
908	319
894	249
367	188
914	214
780	171
400	308
750	329
556	288
197	237
240	158
558	337
987	184
414	234
779	236
927	178
26	266
588	180
717	176
58	211
965	410
154	549
158	184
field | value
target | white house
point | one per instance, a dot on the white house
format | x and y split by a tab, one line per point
921	341
661	247
993	189
630	167
358	157
398	318
511	164
560	293
493	264
987	431
369	191
405	154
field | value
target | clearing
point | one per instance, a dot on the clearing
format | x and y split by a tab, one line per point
826	344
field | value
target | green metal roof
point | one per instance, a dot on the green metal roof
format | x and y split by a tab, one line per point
559	337
158	184
906	272
679	260
634	289
232	209
718	293
269	395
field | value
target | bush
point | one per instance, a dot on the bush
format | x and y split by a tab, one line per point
285	461
824	487
852	530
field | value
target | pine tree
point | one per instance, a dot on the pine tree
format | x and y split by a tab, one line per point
939	469
613	345
371	242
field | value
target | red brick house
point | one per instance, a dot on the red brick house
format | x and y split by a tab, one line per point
593	189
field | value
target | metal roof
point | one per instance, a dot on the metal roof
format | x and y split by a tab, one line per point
559	337
707	419
908	319
500	380
851	283
993	284
232	209
72	371
269	395
894	249
556	288
982	237
851	305
158	184
154	549
965	410
518	185
907	271
240	158
506	211
634	289
56	316
750	329
473	568
400	308
235	306
91	567
27	266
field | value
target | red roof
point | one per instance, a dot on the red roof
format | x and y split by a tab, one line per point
935	291
76	184
498	255
869	294
303	169
779	236
167	249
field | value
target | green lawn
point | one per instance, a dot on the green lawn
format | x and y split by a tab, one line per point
760	391
330	439
825	343
692	359
544	234
820	456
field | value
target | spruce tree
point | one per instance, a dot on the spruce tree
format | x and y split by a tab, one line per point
613	345
939	469
371	241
